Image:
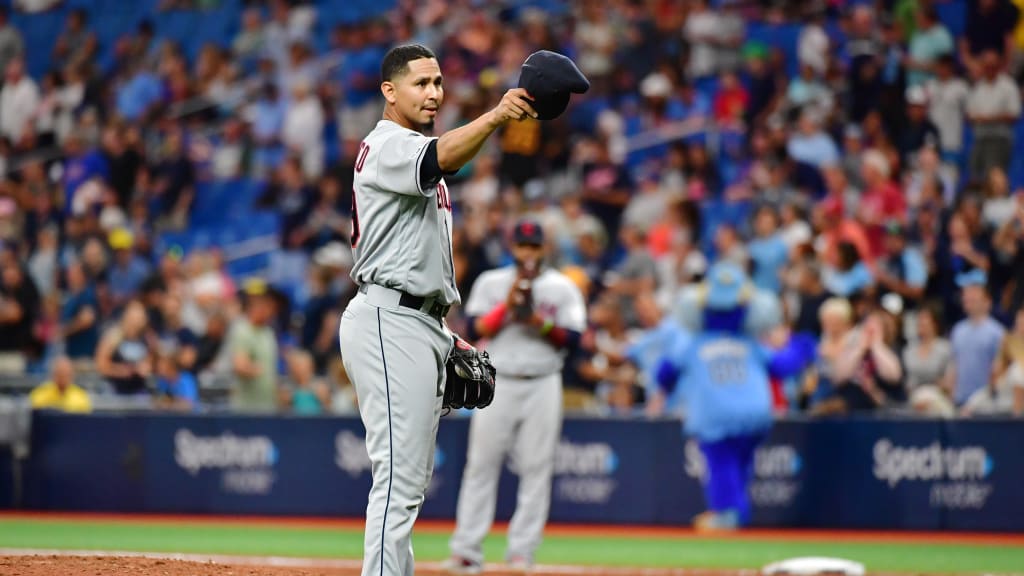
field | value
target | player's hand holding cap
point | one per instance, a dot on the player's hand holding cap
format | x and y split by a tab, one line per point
550	78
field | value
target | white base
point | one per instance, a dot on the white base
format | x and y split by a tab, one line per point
814	566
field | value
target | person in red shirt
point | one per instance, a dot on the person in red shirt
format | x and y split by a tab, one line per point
836	228
730	101
882	201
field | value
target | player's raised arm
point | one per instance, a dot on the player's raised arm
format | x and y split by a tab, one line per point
457	147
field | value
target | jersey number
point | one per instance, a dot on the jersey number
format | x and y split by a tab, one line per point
364	149
444	202
727	371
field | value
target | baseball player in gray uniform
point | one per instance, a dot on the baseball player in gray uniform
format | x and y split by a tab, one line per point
531	315
393	338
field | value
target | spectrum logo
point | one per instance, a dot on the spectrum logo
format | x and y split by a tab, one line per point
894	464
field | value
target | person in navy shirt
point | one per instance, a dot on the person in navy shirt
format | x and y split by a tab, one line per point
80	316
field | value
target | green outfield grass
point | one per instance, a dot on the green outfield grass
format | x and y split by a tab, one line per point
268	540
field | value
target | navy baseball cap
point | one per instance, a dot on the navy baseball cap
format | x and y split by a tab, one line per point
528	232
550	77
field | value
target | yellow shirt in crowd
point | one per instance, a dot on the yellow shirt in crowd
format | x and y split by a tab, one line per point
74	398
1018	32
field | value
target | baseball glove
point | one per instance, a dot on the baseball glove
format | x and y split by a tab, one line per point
470	380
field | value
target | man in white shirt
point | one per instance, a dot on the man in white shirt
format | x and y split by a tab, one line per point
18	100
993	107
947	100
304	127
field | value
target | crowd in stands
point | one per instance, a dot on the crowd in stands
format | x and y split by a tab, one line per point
859	158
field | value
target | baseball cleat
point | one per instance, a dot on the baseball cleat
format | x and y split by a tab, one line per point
519	565
459	566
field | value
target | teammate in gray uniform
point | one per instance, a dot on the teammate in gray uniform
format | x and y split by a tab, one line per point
394	341
531	315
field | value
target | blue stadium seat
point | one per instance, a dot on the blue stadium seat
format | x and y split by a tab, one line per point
953	15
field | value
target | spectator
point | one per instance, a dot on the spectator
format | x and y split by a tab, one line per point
1009	362
768	251
837	340
993	107
212	359
990	25
176	389
869	375
976	339
1008	242
929	41
1004	394
76	45
254	353
962	255
812	47
901	270
763	83
729	245
249	42
232	155
61	392
80	316
174	179
19	310
811	296
11	43
999	206
43	263
882	200
605	186
928	361
808	91
919	131
123	356
302	131
863	48
930	181
810	145
794	227
636	274
291	196
947	96
731	101
850	276
19	99
306	394
173	337
128	270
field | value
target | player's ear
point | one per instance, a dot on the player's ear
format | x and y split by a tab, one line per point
388	90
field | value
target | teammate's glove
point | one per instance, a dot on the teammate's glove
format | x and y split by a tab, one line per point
470	380
522	300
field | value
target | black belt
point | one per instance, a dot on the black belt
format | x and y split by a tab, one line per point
437	310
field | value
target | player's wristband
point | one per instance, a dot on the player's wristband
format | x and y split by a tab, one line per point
548	326
495	319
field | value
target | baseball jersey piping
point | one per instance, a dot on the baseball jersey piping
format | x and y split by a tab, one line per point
391	456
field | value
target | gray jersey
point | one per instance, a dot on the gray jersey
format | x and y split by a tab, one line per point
518	350
401	232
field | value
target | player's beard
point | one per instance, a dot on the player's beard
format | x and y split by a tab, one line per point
529	268
427	127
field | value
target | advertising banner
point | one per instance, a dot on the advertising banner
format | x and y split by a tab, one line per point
853	473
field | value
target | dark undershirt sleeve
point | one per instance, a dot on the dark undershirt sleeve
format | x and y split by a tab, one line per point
430	170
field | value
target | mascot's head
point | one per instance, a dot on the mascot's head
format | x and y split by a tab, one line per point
727	301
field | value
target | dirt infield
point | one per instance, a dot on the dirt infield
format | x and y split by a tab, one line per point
52	564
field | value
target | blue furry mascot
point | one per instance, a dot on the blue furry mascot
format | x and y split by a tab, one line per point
720	373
